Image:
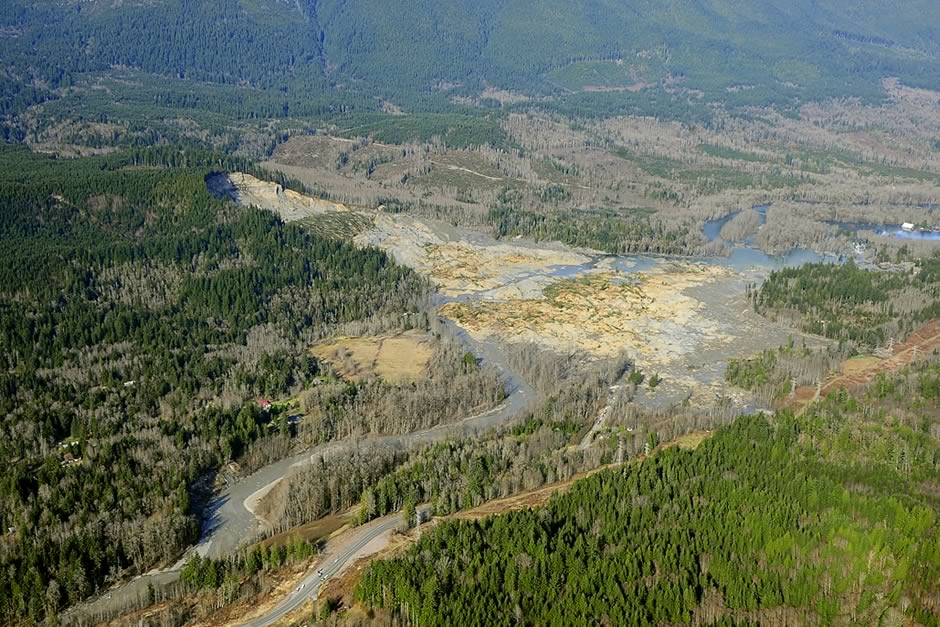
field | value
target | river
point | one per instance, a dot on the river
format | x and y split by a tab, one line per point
230	524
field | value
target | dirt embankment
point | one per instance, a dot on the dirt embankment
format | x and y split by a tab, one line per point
246	190
457	262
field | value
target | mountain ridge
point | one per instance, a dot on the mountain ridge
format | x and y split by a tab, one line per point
807	50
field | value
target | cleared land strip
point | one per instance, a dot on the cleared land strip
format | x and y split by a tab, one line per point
921	343
340	582
601	419
458	168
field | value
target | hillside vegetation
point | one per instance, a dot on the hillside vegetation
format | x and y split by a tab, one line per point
140	319
828	518
864	307
598	56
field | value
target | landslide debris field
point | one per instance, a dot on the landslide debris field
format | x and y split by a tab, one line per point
832	162
397	359
681	319
250	191
601	312
465	264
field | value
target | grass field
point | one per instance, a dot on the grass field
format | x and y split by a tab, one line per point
859	364
396	359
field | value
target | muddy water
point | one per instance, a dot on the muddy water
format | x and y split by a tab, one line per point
699	371
744	258
712	228
798	256
741	259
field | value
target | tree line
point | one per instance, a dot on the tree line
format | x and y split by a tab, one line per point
140	318
854	305
616	232
773	519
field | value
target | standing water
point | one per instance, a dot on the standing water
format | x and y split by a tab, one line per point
747	257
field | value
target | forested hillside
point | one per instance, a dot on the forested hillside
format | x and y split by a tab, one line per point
159	344
594	56
829	518
139	319
864	307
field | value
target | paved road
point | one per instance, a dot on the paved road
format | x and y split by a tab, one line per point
326	569
230	523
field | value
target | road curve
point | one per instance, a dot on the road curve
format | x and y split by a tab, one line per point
327	568
229	523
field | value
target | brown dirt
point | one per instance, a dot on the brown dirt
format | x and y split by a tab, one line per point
248	191
460	267
316	530
602	313
860	364
287	579
400	358
524	500
281	583
856	373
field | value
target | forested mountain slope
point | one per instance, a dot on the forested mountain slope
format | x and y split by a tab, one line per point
594	54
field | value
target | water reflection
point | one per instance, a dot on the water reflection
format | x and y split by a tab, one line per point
712	228
747	257
895	231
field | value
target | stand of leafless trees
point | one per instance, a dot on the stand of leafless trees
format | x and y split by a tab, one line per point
528	454
457	388
741	226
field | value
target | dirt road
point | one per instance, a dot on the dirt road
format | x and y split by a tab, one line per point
601	419
920	344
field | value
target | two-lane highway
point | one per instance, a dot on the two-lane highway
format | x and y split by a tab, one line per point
330	566
232	523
